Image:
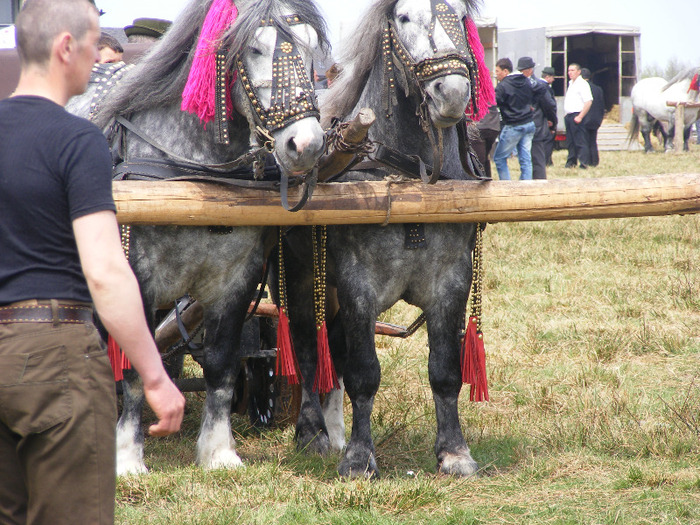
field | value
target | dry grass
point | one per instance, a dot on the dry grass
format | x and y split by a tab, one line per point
592	339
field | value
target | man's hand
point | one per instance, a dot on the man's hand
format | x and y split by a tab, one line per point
168	404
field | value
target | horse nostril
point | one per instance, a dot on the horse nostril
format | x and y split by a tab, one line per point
292	145
438	87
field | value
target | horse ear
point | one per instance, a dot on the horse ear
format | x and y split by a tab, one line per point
199	95
483	95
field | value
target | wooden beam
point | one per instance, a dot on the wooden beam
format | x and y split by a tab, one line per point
194	203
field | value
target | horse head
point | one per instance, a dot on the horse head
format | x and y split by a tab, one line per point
273	64
426	45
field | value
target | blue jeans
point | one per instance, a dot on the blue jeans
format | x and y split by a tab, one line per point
512	136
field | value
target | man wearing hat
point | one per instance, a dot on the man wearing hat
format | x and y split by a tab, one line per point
146	29
544	108
514	96
548	76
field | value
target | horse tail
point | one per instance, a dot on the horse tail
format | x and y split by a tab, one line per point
634	128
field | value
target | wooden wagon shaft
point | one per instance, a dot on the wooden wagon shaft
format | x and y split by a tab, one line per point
194	203
168	333
354	133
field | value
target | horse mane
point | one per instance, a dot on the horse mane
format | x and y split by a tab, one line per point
160	76
686	74
360	55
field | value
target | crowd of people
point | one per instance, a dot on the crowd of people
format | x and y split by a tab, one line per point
523	122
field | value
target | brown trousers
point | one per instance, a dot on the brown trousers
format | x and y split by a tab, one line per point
57	425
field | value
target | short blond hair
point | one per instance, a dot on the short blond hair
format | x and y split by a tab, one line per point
41	21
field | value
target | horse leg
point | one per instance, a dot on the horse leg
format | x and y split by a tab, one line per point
451	450
646	134
129	429
216	447
686	137
333	402
130	436
362	377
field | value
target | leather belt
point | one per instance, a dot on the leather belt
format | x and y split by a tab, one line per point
57	314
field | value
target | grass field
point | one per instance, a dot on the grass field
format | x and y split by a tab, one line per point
592	334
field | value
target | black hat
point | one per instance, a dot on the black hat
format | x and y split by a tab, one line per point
153	27
525	63
549	70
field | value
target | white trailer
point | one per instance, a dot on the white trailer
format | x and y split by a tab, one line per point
611	52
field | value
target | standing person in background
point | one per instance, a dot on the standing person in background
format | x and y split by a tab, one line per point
548	76
594	117
61	251
111	51
544	108
514	96
577	103
489	127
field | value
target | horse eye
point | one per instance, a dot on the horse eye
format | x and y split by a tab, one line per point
254	51
404	19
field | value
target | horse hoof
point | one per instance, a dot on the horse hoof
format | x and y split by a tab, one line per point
318	444
458	465
130	466
352	469
223	459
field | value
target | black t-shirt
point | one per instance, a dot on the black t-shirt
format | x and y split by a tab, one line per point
54	168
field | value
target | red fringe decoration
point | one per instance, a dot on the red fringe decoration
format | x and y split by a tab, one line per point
199	95
695	83
485	95
473	361
326	378
286	361
117	359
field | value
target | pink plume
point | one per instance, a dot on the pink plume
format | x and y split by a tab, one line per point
199	95
484	95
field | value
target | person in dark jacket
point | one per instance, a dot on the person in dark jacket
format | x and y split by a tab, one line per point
544	108
514	96
548	76
489	127
594	117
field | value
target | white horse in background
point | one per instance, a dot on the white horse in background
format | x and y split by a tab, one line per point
649	102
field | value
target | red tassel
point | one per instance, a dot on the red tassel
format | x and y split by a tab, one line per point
286	362
468	353
485	95
695	83
326	378
199	95
479	390
117	359
473	361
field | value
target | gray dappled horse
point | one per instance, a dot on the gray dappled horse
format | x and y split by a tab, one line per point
373	267
220	268
649	97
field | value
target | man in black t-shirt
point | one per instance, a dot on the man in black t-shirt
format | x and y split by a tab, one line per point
61	252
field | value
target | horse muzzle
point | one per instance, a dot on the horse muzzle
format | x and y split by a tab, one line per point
447	99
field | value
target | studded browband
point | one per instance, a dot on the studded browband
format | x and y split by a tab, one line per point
458	62
292	97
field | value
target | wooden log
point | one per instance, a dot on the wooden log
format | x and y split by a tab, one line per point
194	203
353	134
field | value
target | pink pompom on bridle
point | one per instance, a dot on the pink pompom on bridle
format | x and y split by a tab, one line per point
484	96
199	95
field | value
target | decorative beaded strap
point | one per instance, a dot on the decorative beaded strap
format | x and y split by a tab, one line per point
293	97
459	62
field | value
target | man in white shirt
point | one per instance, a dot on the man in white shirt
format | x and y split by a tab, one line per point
577	103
